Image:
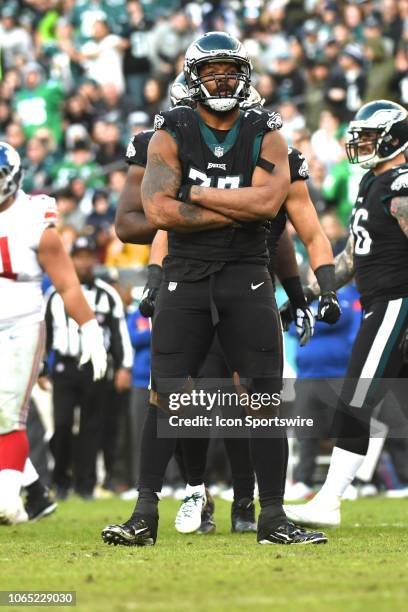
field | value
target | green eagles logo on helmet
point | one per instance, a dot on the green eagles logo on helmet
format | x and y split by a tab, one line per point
378	132
217	47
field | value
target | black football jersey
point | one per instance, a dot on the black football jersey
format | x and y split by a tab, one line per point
225	164
380	246
136	152
299	171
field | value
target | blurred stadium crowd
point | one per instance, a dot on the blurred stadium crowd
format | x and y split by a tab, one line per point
79	77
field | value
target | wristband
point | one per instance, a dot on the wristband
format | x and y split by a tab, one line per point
154	276
294	291
326	278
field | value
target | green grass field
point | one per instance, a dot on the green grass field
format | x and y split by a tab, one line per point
363	567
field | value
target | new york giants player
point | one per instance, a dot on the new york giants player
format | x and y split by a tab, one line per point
29	246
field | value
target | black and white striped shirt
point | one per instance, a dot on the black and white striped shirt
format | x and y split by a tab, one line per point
63	332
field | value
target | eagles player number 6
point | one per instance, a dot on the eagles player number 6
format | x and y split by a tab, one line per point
362	237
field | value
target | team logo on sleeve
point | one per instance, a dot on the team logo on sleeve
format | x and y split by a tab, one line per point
401	182
274	122
304	169
158	122
130	151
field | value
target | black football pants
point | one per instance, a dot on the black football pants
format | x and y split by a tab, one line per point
194	450
239	303
376	361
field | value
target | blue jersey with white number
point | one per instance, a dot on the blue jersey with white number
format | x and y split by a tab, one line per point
380	246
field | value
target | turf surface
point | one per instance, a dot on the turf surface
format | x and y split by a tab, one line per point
363	567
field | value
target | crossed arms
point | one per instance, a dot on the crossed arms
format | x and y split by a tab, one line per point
211	208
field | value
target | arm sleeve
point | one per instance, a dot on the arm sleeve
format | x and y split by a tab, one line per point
44	214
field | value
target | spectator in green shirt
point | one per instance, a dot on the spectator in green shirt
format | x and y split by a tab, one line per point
79	163
340	188
39	102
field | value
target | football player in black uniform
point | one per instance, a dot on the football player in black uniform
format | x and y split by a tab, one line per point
283	263
376	254
215	274
281	251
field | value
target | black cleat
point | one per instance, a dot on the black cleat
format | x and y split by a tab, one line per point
287	533
207	516
39	506
243	516
137	531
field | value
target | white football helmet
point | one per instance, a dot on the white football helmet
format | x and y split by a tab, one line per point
217	47
11	172
378	132
179	92
253	100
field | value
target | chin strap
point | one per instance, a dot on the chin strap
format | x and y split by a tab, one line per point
220	110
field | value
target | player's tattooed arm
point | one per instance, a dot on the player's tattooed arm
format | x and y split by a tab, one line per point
399	210
160	186
268	191
343	268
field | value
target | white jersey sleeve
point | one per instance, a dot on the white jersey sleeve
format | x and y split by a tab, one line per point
21	228
44	213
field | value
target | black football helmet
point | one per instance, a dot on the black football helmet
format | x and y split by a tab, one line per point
378	132
217	47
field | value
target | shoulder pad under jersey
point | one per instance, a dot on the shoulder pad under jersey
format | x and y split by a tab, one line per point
136	152
175	117
298	166
267	121
399	180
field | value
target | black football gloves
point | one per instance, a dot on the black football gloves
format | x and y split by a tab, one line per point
154	278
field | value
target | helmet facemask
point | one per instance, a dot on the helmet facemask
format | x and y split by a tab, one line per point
373	149
363	151
218	90
378	133
228	90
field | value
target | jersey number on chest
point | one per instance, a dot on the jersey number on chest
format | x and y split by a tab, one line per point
220	182
5	259
363	239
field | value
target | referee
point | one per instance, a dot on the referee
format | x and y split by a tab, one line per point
73	385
